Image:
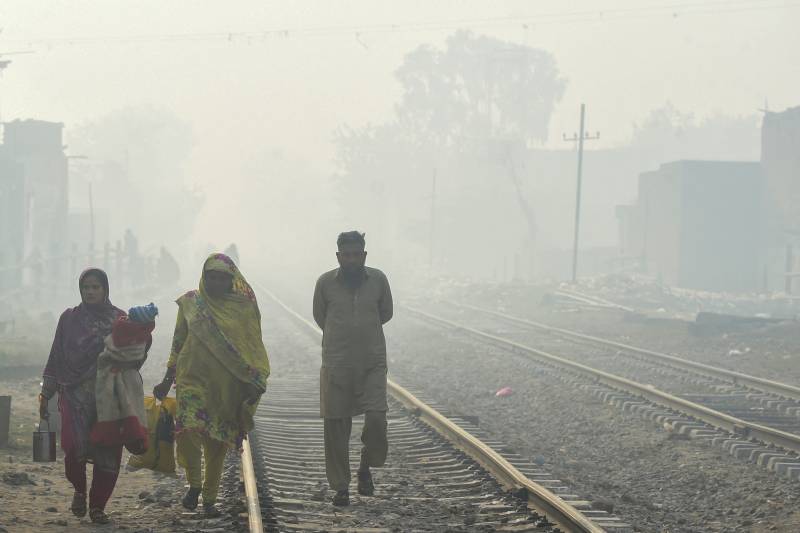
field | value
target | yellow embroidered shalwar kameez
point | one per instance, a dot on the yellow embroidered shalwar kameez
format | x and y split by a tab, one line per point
221	370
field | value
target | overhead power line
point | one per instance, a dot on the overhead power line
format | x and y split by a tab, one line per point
673	10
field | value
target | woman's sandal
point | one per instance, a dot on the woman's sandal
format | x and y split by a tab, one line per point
189	500
211	511
78	506
98	516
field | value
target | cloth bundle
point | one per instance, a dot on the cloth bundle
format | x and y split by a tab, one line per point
160	454
119	391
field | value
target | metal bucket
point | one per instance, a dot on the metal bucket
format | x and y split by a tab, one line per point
44	445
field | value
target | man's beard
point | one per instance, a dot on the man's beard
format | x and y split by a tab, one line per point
353	275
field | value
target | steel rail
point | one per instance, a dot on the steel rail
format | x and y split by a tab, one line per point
591	300
543	500
251	489
753	382
731	424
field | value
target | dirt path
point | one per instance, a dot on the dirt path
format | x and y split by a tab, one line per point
35	497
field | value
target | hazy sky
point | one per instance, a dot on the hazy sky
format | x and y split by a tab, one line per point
621	58
287	91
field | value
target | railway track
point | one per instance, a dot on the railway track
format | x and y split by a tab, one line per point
752	418
789	395
440	475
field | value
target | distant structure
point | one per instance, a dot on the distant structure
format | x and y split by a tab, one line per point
780	159
699	225
721	225
33	195
13	219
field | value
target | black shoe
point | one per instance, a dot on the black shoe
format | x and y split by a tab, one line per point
365	485
211	510
97	516
342	498
189	500
78	506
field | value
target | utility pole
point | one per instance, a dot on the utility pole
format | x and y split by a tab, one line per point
433	220
579	138
91	220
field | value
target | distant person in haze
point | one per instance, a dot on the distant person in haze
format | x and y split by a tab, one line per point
167	268
233	252
136	268
220	367
351	304
71	370
131	244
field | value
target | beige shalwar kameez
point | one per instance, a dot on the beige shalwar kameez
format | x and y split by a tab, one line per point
353	372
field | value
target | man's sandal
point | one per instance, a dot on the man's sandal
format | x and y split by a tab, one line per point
341	498
365	485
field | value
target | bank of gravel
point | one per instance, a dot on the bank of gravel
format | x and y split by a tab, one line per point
652	481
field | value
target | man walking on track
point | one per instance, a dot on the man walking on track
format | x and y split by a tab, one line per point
351	304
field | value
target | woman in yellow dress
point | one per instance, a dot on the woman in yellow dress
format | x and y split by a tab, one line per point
220	367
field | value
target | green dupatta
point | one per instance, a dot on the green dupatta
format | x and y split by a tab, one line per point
222	365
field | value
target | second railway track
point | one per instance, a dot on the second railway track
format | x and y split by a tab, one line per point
750	398
706	395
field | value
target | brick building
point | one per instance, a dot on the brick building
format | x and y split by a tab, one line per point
721	225
33	195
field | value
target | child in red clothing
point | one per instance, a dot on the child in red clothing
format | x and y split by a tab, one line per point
118	390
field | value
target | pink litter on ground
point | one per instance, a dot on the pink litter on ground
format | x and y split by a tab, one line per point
505	391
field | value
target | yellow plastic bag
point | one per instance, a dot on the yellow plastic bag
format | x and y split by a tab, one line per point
160	454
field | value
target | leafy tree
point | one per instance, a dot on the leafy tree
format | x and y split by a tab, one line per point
478	87
465	110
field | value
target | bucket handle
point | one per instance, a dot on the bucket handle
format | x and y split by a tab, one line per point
39	429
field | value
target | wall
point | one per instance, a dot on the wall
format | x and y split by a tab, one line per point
660	201
722	237
780	158
36	145
12	221
703	225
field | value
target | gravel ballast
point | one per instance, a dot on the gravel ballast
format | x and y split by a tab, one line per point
650	479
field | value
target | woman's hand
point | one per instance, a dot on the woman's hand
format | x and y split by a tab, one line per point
44	414
161	390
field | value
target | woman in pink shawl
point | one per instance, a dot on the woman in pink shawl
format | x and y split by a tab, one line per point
71	370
